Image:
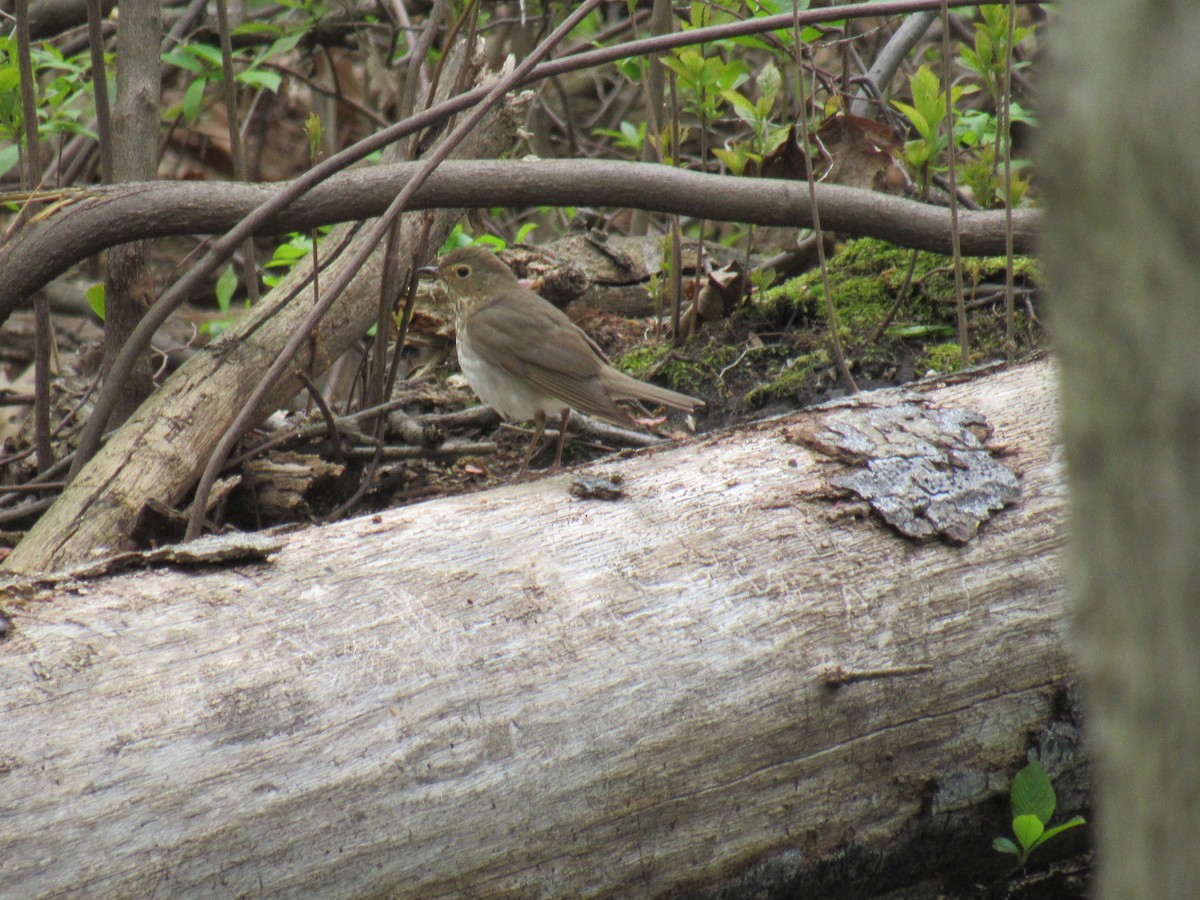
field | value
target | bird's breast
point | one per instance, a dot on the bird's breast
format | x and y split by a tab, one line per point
512	397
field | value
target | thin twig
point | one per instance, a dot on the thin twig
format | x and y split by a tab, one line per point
250	272
100	89
836	676
835	340
676	234
1010	312
449	449
901	296
960	305
30	488
43	328
331	427
26	510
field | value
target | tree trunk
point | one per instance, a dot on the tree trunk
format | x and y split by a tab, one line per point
129	288
1122	233
525	692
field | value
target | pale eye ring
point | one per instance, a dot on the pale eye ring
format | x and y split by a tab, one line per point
462	271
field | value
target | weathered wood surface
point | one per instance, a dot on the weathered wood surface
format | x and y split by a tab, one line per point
519	691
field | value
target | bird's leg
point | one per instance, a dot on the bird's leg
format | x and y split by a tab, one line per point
562	437
540	419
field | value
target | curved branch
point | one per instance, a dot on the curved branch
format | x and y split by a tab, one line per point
893	54
103	217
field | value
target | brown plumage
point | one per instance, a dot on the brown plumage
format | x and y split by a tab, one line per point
526	359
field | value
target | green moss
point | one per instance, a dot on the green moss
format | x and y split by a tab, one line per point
866	275
793	378
639	361
784	301
868	255
985	268
941	358
688	368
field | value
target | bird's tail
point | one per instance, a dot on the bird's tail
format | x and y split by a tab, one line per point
623	387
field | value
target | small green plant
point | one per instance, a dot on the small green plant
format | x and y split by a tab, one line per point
63	96
926	113
285	257
980	175
630	137
980	129
1033	803
767	136
95	299
204	62
761	279
986	58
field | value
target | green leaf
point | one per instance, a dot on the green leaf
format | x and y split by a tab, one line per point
927	95
286	255
9	157
257	78
743	107
776	135
677	67
732	75
631	68
919	331
735	158
206	52
255	28
1018	113
691	65
185	61
95	299
762	278
314	131
1073	823
915	116
984	50
769	81
10	78
1004	845
191	99
226	285
283	44
924	86
1032	793
525	231
711	73
490	240
1029	830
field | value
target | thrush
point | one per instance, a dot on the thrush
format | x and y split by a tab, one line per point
523	357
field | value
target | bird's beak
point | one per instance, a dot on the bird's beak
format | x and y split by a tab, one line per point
429	272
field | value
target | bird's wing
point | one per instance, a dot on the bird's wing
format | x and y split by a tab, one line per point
536	341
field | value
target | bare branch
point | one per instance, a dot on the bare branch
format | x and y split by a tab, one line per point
92	220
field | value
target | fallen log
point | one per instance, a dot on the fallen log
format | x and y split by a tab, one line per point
535	692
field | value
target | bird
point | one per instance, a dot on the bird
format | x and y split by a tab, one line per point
526	359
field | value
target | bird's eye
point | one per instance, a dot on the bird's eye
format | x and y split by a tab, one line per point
462	271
